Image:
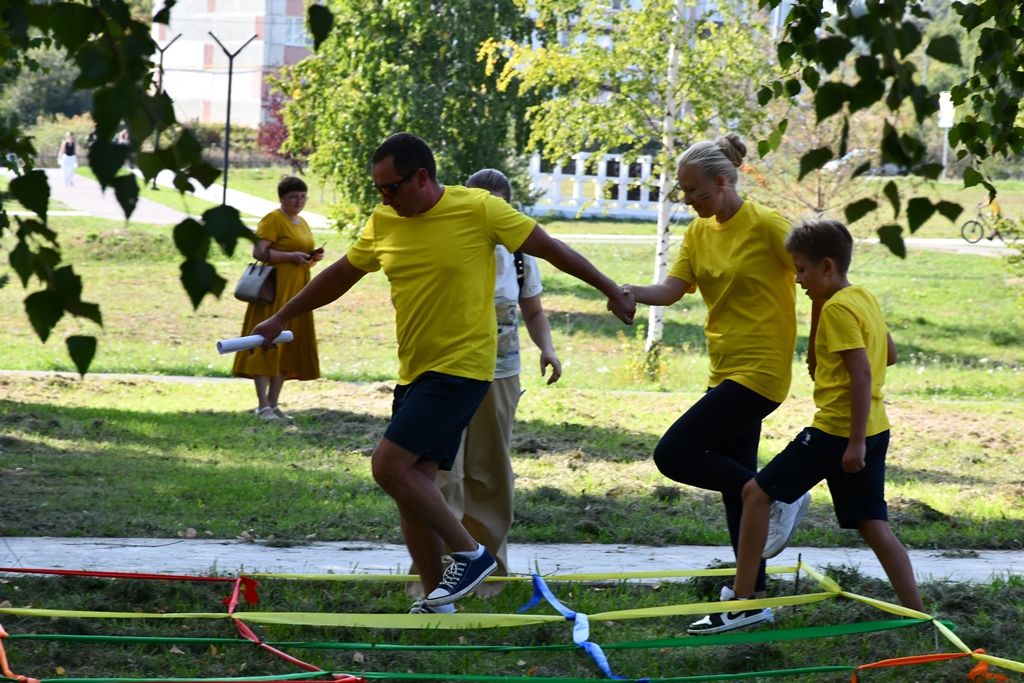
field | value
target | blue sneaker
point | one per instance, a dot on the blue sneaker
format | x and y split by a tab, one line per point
461	576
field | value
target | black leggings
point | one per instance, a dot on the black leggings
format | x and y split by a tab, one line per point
713	446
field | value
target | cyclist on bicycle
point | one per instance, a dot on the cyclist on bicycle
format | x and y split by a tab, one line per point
991	210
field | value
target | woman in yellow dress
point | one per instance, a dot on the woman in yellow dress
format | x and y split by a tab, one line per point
285	241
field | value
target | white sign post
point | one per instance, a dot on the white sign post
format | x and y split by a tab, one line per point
945	123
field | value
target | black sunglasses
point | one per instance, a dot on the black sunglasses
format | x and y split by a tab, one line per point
391	188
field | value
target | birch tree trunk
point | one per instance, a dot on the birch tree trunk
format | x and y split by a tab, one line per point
672	111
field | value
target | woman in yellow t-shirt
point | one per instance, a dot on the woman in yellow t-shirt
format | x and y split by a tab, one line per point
284	240
734	253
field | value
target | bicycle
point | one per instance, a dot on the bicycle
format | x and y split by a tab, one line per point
974	229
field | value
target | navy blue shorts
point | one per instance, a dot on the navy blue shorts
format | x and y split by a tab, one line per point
815	455
429	415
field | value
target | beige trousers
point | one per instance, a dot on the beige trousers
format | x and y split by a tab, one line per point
479	487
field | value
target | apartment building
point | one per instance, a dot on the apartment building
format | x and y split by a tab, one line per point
195	66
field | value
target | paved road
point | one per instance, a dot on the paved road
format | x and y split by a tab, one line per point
204	555
957	246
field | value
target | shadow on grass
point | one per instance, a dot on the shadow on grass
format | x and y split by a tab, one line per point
120	472
101	472
107	472
961	360
535	438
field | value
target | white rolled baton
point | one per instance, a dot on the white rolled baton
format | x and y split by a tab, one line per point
250	342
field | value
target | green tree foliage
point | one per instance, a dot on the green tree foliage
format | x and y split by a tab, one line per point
402	65
113	51
636	80
609	70
870	52
772	180
45	88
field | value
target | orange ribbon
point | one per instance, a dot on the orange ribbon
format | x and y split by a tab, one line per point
6	670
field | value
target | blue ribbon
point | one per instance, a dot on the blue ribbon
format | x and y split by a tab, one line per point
580	626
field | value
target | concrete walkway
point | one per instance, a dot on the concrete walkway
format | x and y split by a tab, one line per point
86	197
246	204
191	556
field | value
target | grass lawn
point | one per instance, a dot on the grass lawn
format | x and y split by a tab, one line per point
652	646
582	446
262	182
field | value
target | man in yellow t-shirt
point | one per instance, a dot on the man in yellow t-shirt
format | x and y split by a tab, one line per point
435	244
847	441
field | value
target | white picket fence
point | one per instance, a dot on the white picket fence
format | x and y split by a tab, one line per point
604	187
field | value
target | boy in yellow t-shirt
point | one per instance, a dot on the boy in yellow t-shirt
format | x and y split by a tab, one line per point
847	441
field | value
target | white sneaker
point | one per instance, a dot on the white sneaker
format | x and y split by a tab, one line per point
281	414
420	607
266	414
782	521
720	622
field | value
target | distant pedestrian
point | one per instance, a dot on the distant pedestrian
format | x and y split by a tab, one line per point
283	238
124	139
66	158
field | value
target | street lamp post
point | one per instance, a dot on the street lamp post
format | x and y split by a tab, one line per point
159	91
227	121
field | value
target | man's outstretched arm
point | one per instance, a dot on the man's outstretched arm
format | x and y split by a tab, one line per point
328	286
540	244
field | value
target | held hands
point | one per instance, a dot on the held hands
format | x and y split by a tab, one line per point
622	304
549	358
853	457
627	291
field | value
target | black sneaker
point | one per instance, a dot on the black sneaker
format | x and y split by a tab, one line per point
720	622
461	576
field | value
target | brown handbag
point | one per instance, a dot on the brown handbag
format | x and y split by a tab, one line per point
257	284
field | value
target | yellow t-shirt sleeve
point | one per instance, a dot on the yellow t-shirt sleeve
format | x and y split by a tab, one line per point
506	226
843	329
778	229
682	268
362	254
